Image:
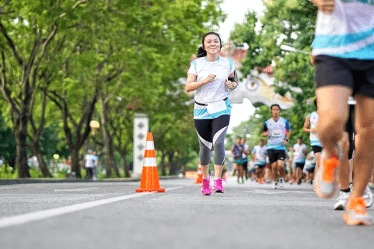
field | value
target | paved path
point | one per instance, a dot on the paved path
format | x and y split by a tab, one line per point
111	215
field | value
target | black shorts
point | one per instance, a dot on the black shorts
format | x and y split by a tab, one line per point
310	170
300	165
275	155
245	165
350	129
317	149
357	75
260	166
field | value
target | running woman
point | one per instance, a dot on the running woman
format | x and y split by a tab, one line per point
259	157
245	157
237	151
310	125
299	157
212	77
278	131
344	56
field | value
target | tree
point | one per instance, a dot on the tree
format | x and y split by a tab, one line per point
284	23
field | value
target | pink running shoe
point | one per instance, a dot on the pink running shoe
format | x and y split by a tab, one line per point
205	188
218	188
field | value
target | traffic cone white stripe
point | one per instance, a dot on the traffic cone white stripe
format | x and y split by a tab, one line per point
149	162
149	145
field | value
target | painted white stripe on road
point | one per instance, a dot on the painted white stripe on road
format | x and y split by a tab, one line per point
41	215
73	190
1	188
257	191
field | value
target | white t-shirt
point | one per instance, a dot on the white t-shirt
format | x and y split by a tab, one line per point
89	158
348	32
299	155
216	90
260	153
246	148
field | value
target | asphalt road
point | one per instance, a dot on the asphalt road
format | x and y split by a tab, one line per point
112	215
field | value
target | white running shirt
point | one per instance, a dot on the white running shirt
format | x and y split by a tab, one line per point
216	90
348	32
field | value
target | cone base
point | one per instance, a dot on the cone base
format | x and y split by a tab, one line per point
199	179
150	190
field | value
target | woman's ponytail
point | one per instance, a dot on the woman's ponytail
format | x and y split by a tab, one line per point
200	52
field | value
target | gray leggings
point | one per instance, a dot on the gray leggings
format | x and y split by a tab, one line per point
211	133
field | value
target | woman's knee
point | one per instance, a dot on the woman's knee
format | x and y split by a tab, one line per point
219	146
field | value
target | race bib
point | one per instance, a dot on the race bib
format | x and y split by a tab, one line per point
216	107
276	133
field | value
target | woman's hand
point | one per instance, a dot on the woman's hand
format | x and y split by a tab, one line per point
230	85
210	78
326	6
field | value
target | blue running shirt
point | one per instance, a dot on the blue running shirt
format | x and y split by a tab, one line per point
277	132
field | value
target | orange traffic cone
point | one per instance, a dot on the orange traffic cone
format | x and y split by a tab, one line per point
149	182
199	178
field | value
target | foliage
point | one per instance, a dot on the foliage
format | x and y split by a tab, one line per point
288	23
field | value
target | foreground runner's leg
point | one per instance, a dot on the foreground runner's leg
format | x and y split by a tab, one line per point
333	114
363	162
343	174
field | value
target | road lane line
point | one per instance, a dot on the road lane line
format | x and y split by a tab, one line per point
73	190
49	213
268	192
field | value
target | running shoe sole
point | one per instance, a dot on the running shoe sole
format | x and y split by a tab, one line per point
218	191
339	207
356	222
319	176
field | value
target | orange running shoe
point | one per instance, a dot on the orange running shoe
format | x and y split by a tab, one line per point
325	180
356	214
263	180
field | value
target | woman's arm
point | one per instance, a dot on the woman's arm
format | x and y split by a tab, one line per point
192	85
307	124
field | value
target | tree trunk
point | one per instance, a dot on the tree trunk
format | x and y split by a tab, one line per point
39	155
75	166
109	161
20	134
172	168
125	166
163	165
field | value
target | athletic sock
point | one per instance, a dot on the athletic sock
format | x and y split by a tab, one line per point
346	190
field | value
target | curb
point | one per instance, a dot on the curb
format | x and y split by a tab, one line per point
48	180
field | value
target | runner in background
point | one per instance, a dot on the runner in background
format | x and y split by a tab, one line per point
291	170
278	131
245	154
236	152
310	164
301	150
310	125
259	157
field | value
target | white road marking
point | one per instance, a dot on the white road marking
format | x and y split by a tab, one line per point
73	190
267	192
1	188
49	213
